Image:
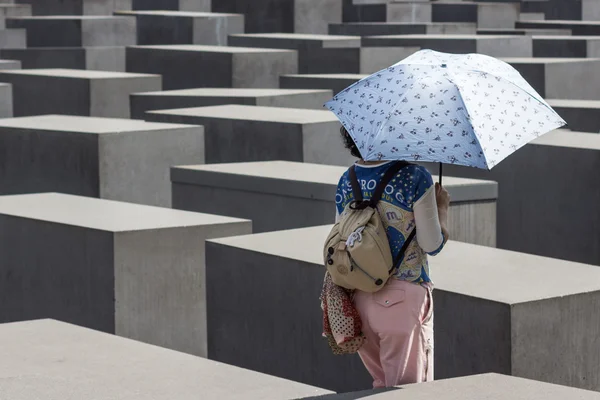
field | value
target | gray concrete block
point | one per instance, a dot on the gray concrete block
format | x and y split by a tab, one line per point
6	100
532	16
579	28
417	11
565	165
76	31
236	133
185	27
486	15
300	16
75	7
327	53
502	323
580	115
10	64
76	92
115	159
136	271
484	386
56	360
495	46
191	66
187	98
401	28
177	5
566	46
309	189
92	58
560	78
333	82
13	38
528	32
13	10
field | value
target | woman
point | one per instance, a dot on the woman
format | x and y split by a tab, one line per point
398	319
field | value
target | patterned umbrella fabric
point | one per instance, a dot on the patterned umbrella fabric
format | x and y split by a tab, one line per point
464	109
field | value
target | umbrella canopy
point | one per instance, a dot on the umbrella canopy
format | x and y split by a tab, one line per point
464	109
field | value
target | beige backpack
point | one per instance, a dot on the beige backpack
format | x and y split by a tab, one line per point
357	251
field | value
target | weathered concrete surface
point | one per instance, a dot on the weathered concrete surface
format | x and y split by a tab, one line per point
510	323
300	16
136	271
192	66
495	46
178	5
76	92
116	159
76	7
202	97
528	32
13	38
53	360
6	100
8	10
484	386
327	53
333	82
560	78
10	64
580	115
401	28
92	58
236	133
76	31
185	27
566	46
486	15
579	28
532	218
309	189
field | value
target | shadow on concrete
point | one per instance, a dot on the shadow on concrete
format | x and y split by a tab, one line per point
350	396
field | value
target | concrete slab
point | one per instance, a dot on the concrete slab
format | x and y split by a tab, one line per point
579	28
387	11
10	64
485	15
580	115
185	27
13	38
13	10
495	46
76	92
92	58
119	159
565	164
401	28
532	16
516	322
333	82
202	97
327	53
235	133
310	190
132	270
488	386
6	100
76	31
528	32
96	366
75	7
560	78
179	5
299	16
566	46
189	66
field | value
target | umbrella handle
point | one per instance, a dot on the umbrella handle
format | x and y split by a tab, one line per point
441	170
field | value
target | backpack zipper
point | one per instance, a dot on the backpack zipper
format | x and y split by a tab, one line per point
355	264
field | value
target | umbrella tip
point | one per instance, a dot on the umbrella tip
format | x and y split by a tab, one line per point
444	65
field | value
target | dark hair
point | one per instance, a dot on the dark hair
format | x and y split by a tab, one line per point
349	143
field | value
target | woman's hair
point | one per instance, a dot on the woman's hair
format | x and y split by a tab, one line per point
349	143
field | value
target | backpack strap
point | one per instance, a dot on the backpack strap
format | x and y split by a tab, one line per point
390	174
400	255
356	190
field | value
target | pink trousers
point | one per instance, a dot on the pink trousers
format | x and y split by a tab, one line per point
398	326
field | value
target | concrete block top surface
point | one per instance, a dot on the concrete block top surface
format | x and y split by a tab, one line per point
285	177
568	103
255	113
328	76
440	36
485	386
510	277
171	13
565	37
103	215
559	22
550	60
76	73
93	125
69	17
232	92
569	139
47	359
326	41
210	49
